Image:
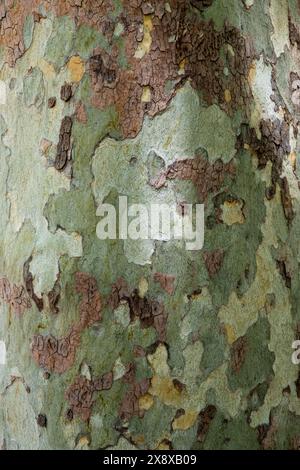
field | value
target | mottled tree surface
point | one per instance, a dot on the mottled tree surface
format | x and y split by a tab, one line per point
143	344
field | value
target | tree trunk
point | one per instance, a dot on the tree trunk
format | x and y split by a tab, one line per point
143	343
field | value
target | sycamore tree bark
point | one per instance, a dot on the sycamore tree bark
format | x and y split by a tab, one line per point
141	343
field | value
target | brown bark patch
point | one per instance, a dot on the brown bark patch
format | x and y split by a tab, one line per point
201	4
284	272
294	33
165	43
42	420
266	434
169	45
56	355
80	397
273	146
51	102
297	383
14	13
90	306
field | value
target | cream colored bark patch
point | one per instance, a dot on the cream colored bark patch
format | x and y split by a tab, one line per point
232	212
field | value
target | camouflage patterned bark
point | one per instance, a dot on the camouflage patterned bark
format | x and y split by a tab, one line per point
142	344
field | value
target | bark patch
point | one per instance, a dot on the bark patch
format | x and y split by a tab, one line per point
58	355
14	295
149	312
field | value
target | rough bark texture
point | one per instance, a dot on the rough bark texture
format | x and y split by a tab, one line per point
142	344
